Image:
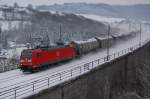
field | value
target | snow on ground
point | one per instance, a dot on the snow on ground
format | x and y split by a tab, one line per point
54	12
102	18
6	25
19	78
15	49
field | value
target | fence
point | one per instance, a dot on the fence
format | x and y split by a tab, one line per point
46	82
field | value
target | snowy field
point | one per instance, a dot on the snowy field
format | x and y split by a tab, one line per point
17	78
102	18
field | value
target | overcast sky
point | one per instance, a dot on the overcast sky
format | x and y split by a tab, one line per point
49	2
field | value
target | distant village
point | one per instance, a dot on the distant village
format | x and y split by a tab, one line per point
15	12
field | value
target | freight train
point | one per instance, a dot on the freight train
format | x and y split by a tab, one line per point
34	59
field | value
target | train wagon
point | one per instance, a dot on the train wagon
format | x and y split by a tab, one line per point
103	41
83	47
124	36
33	59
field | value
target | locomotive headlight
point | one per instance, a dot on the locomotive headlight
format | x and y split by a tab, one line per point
22	61
29	60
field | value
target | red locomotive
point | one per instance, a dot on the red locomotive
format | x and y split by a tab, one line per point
33	59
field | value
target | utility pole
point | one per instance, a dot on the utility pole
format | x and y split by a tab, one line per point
108	32
60	38
60	42
0	37
47	39
30	40
0	33
129	26
140	35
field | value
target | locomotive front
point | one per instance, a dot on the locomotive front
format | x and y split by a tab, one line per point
26	60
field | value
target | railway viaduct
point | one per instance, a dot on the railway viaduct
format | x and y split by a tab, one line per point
117	79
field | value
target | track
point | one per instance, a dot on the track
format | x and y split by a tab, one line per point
24	78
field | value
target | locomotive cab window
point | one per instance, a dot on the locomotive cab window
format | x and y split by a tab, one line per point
26	54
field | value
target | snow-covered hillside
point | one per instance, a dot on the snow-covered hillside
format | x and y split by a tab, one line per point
102	18
123	25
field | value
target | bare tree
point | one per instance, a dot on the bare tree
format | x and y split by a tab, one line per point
16	5
30	6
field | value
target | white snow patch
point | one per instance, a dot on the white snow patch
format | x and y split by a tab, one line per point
102	18
15	49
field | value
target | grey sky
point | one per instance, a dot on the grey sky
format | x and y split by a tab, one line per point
48	2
